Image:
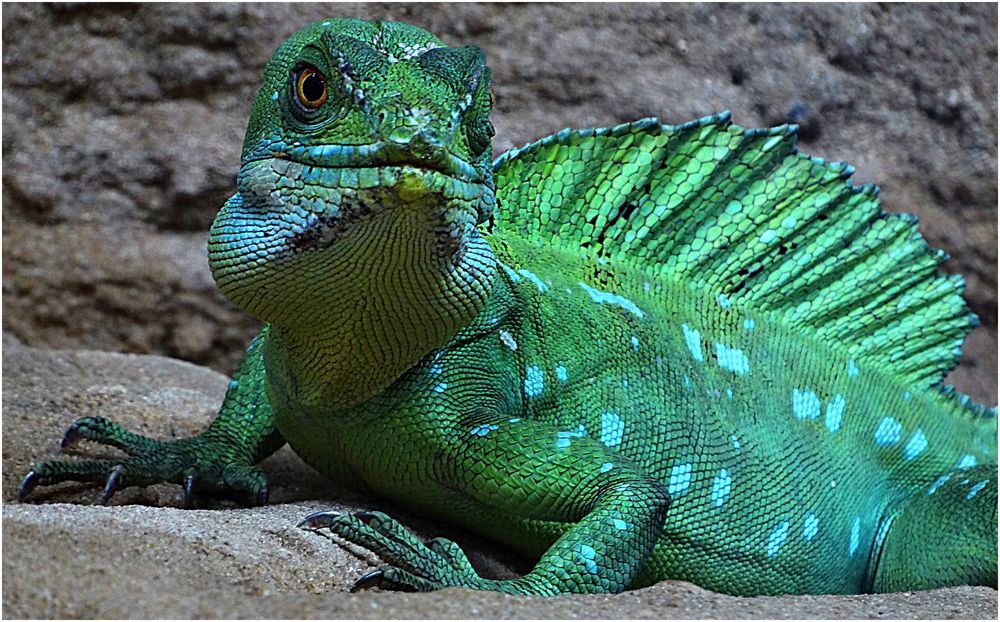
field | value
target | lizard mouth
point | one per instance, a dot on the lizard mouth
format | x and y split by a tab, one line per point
311	206
373	156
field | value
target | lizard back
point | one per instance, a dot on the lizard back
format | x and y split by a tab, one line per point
779	337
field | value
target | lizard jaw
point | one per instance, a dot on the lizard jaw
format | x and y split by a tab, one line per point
339	230
317	205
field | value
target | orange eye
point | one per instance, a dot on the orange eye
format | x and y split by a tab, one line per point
310	88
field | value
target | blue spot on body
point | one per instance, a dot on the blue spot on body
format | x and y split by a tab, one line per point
542	287
732	359
483	430
805	404
607	466
534	381
768	236
587	554
975	489
967	462
721	487
916	445
693	339
729	392
561	374
735	441
852	368
326	23
620	524
680	478
233	384
441	387
563	437
788	223
939	482
635	343
852	546
613	299
889	432
436	369
749	324
776	539
612	429
835	413
274	96
811	527
724	301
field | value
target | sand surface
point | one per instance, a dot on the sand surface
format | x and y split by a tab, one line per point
142	556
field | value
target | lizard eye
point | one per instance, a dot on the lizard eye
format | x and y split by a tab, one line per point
493	98
310	88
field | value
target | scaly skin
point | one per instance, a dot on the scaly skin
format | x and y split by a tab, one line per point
634	353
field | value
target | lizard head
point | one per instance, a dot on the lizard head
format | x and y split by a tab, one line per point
366	169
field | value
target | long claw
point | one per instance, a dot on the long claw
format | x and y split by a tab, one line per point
372	579
262	496
70	437
113	484
27	484
189	491
319	520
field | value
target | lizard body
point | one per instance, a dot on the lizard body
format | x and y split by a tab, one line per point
634	353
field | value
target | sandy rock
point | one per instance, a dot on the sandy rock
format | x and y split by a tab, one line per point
123	126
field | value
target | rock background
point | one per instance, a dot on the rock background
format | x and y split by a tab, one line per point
123	126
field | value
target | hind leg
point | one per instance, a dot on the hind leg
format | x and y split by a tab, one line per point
944	535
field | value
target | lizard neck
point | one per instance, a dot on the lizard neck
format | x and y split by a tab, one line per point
360	339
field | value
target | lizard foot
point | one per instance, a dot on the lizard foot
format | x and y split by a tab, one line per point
195	463
412	566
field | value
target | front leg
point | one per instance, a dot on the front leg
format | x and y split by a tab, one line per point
221	460
520	472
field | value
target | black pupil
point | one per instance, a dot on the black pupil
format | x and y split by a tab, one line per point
313	87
